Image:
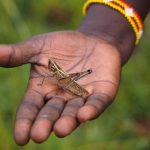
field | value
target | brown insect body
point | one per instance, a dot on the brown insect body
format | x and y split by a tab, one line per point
68	81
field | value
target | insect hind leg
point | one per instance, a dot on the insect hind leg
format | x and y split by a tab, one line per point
80	75
77	76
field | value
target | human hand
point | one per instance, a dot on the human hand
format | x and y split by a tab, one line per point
45	108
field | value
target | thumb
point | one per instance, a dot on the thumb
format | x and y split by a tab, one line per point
12	55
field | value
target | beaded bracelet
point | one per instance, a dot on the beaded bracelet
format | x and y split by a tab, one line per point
126	10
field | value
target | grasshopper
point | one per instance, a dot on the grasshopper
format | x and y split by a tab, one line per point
68	81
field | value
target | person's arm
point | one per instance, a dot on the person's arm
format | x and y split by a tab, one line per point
110	25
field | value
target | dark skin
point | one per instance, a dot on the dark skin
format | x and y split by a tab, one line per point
65	111
45	108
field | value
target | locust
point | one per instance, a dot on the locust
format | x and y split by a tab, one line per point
68	81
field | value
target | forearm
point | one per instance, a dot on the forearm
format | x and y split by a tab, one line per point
105	23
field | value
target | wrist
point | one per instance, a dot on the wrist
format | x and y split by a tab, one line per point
109	25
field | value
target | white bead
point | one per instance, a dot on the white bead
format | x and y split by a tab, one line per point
140	33
129	12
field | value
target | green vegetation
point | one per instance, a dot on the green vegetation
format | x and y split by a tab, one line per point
126	123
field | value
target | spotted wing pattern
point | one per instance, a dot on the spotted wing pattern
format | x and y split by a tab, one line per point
73	87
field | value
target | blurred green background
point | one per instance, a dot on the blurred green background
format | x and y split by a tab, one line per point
124	126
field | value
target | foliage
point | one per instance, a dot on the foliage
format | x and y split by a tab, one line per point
124	126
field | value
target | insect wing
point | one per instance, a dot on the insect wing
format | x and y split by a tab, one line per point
77	89
74	87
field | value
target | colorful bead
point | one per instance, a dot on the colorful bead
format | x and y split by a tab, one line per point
126	10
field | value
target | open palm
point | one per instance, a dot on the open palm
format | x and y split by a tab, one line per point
45	107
